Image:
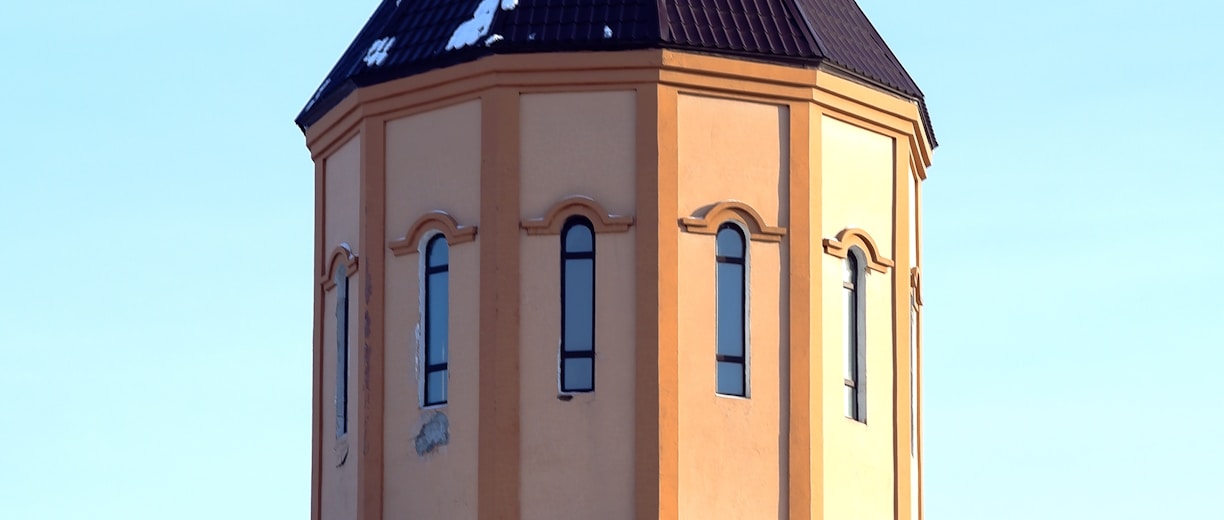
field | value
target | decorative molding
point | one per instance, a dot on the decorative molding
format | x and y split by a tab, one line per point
916	284
342	253
726	210
552	221
439	221
850	237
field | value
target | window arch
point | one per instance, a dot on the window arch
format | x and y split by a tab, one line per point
340	264
577	305
436	309
731	376
854	334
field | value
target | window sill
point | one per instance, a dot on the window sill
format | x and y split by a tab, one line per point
340	450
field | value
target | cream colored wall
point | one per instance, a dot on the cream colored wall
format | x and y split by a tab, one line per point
433	163
577	456
732	450
578	143
341	181
857	172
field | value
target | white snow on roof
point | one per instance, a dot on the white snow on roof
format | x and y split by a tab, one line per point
471	31
493	39
378	51
607	32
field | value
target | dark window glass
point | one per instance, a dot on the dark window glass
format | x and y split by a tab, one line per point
853	331
341	398
730	355
578	306
437	319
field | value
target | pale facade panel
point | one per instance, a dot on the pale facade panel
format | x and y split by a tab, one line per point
433	164
578	143
857	173
732	449
577	454
732	149
341	181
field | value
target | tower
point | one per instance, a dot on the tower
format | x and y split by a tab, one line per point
617	259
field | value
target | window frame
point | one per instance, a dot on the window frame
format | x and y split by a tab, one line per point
854	348
341	390
566	257
429	368
742	315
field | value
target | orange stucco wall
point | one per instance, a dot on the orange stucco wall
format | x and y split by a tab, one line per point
433	164
577	454
857	174
458	141
340	224
732	450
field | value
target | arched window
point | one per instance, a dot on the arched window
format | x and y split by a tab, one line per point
342	350
578	305
731	356
854	332
437	319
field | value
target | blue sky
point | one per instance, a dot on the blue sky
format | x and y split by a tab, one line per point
156	205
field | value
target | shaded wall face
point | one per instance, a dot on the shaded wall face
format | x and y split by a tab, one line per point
857	176
577	454
430	454
341	183
732	449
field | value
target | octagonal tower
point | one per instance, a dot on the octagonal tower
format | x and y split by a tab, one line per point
617	259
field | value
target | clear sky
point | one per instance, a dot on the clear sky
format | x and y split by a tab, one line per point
156	209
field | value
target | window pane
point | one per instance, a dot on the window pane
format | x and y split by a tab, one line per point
730	309
849	353
579	304
438	316
730	378
579	375
435	387
341	390
730	242
851	403
439	252
579	238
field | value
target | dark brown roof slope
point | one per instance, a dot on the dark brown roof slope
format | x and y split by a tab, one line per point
406	37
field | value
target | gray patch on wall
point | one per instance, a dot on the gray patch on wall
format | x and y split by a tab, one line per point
435	432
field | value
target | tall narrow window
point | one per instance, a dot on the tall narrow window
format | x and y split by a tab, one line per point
730	359
578	306
853	334
437	319
341	279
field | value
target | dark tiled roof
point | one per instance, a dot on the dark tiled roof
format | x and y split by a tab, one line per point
417	35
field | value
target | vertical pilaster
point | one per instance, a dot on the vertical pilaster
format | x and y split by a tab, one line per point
800	276
316	395
815	344
901	328
372	326
500	464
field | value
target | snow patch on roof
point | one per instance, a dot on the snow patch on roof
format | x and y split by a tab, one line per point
493	39
471	31
607	32
378	51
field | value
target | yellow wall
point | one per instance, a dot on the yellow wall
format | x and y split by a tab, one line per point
433	163
857	173
732	450
577	455
341	182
